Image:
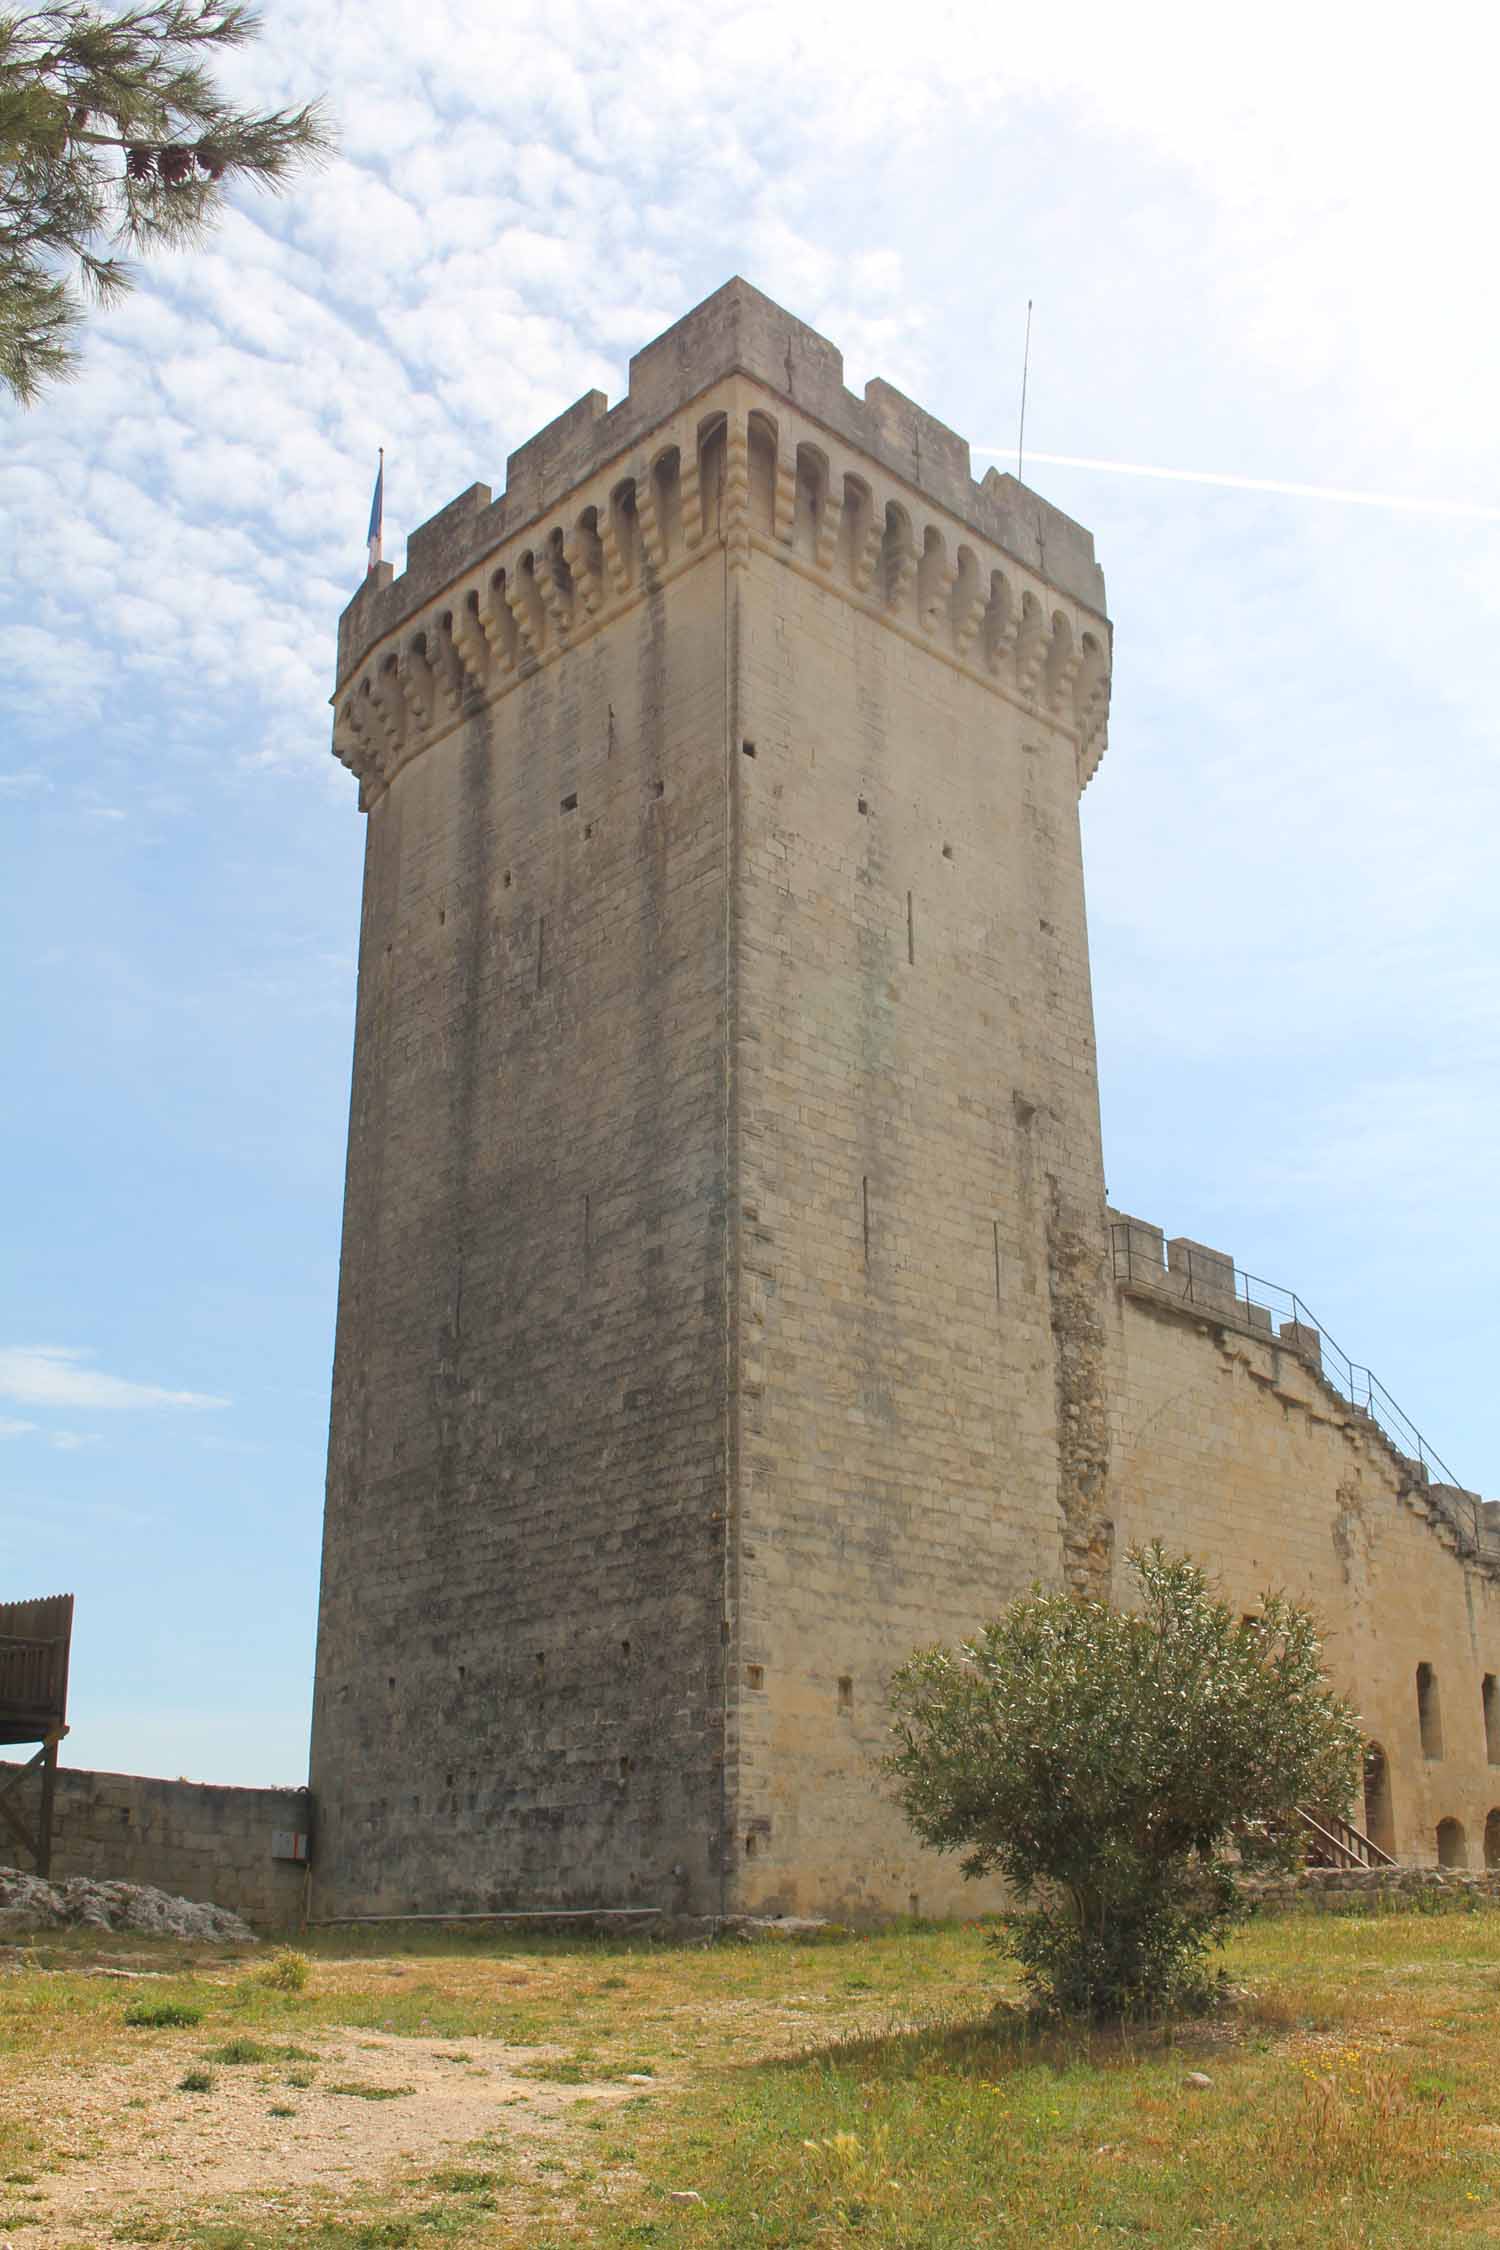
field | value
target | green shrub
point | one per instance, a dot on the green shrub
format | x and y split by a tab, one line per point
163	2015
196	2082
286	1971
1114	1765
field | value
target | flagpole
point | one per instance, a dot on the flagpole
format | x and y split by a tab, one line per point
1025	371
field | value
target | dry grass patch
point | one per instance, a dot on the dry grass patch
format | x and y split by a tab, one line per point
880	2092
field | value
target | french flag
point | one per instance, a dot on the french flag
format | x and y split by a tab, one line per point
377	515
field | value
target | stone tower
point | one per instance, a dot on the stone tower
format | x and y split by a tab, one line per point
720	1311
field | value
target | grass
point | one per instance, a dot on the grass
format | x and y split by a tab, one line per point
162	2015
880	2093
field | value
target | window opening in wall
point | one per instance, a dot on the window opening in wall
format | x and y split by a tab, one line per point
748	748
626	1766
1492	1839
864	804
755	1675
570	802
1380	1824
749	1847
625	1650
846	1693
1490	1694
947	851
658	788
1452	1844
505	880
1429	1712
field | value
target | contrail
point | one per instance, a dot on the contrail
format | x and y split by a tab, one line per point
1399	500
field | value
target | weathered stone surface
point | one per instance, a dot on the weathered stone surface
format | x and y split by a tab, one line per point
197	1840
727	1301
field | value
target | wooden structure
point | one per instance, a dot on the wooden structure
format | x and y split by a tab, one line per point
35	1638
1334	1842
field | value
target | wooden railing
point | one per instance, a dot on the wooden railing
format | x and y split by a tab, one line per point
1335	1842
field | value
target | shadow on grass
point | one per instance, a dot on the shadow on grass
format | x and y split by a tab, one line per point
1008	2038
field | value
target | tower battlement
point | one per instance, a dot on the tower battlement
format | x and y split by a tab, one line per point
737	431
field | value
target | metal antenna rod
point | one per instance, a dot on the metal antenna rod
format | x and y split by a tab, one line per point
1025	371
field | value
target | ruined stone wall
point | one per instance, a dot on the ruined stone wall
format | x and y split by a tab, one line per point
921	1427
1227	1444
519	1676
195	1839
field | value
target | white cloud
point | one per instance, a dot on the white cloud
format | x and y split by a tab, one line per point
56	1375
10	1428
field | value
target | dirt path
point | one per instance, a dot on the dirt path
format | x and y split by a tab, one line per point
141	2148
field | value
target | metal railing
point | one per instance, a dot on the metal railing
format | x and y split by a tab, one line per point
1213	1283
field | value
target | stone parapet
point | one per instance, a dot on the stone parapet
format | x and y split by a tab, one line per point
737	433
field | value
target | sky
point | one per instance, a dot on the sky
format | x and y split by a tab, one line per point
1259	247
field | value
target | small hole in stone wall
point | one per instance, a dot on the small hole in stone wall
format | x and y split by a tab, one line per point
947	851
463	1671
864	804
390	1679
506	879
846	1694
658	788
625	1650
541	1661
626	1766
570	802
449	1782
588	829
442	916
748	748
749	1847
387	953
755	1676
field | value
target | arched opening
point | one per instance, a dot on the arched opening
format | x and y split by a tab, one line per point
965	603
712	445
1429	1712
1452	1844
1380	1821
898	555
934	577
1490	1696
626	527
762	464
812	499
854	532
589	549
999	621
666	486
1492	1839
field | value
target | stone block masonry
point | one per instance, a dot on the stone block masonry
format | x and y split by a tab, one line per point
723	1121
726	1301
195	1839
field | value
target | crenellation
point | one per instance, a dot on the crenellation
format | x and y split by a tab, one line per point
735	332
727	1274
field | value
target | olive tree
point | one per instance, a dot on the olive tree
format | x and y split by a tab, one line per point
1116	1766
